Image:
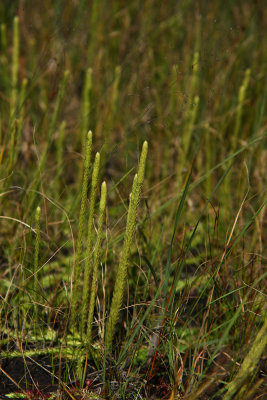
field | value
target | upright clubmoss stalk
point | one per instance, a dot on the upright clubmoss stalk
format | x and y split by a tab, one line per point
195	76
108	124
89	246
3	39
20	123
114	98
128	238
59	100
15	68
97	253
14	90
208	159
77	266
36	257
60	141
192	113
86	106
238	120
94	28
237	387
240	107
190	116
173	91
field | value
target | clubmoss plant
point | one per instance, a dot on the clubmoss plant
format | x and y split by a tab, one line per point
86	105
15	68
14	89
173	90
193	292
195	76
208	142
237	387
89	246
192	113
3	38
19	123
238	120
128	238
97	253
94	27
36	257
240	107
190	117
60	141
107	125
115	93
77	266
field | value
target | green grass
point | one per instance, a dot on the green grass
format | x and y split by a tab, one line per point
133	200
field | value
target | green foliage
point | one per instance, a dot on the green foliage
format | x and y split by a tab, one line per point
160	296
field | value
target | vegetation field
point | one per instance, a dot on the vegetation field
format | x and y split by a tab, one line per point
133	199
